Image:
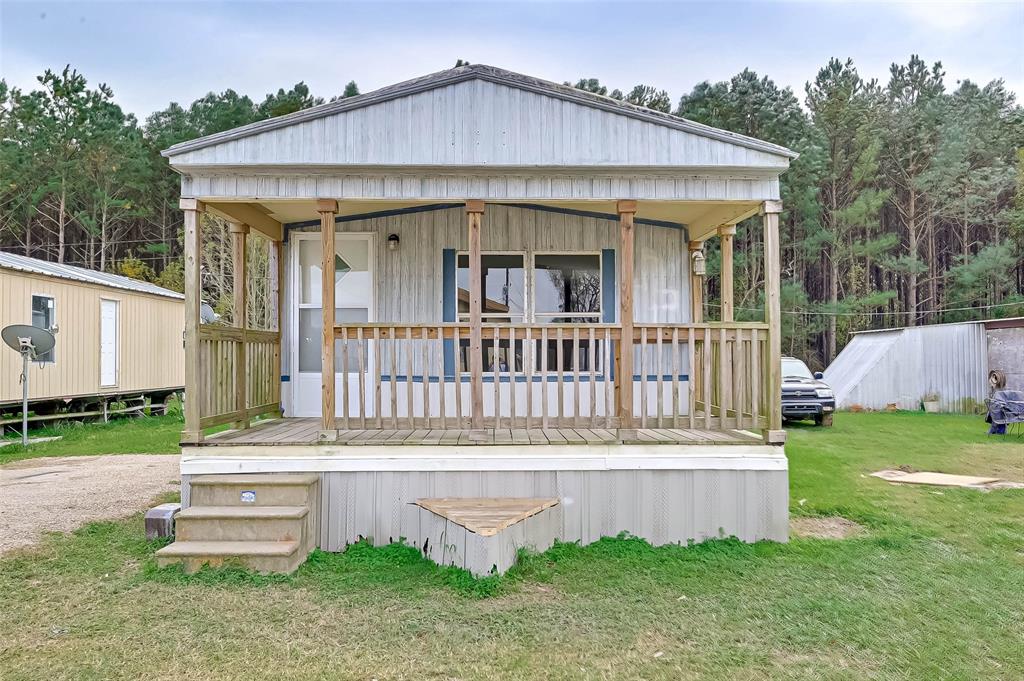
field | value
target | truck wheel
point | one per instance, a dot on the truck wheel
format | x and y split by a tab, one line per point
823	420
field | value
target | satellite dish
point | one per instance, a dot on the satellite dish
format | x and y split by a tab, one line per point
30	342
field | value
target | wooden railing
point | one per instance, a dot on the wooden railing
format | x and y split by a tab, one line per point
239	373
417	376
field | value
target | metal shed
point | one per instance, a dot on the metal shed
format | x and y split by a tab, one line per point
878	369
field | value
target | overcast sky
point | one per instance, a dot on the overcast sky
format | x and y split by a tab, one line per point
153	53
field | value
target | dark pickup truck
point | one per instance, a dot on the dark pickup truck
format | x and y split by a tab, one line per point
805	395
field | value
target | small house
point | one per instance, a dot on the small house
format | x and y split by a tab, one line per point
490	328
119	341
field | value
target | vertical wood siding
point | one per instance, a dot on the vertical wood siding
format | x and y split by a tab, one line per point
149	338
481	123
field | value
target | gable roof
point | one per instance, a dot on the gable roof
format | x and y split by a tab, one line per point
490	74
23	263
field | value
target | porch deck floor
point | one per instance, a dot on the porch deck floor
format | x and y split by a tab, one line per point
298	431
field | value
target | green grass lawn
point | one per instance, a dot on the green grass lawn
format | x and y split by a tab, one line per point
933	590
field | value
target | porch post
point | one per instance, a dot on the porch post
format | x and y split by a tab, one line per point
696	285
474	215
726	234
193	300
327	209
773	317
626	210
239	232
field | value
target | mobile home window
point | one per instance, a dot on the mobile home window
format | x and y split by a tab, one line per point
43	317
567	288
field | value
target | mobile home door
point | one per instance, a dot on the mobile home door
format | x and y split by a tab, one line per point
108	342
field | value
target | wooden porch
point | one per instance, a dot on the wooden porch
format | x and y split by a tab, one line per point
306	431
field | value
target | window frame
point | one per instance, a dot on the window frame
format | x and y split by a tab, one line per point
53	322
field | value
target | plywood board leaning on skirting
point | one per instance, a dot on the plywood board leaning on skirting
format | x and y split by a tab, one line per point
484	535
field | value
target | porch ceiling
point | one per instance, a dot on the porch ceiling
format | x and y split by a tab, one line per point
702	218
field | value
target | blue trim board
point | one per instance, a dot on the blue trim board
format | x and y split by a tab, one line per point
376	214
444	206
449	304
608	285
591	214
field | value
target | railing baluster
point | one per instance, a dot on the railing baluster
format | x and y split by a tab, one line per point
576	376
393	343
512	376
591	357
377	352
675	377
544	377
410	414
609	382
643	376
528	367
362	377
496	366
440	379
425	340
706	376
560	359
755	379
659	367
737	377
457	371
691	376
344	378
723	383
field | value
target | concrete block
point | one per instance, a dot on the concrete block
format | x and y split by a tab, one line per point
160	520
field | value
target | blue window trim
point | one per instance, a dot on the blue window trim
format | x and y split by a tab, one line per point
449	306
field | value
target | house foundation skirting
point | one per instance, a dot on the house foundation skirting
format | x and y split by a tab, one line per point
665	495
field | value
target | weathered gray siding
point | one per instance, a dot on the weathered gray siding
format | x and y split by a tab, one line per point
661	506
409	280
480	123
451	184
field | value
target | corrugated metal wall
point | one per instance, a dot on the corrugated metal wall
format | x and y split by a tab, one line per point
901	366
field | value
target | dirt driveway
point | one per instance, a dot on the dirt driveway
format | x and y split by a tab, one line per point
59	494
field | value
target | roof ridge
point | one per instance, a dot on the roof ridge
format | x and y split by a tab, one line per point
492	74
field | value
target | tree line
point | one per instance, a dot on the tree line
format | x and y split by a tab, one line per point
905	206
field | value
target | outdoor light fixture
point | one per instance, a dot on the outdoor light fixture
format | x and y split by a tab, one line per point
393	242
698	264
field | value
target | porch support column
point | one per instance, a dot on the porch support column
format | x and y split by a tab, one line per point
239	233
696	285
474	217
193	300
773	317
275	259
726	234
327	209
627	211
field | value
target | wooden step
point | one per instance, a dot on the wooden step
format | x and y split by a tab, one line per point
267	489
246	523
261	556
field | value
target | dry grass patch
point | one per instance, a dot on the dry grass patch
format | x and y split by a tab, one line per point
830	527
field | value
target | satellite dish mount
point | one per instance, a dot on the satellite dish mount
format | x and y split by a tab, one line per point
31	343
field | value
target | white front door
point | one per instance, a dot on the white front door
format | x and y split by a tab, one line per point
108	342
353	302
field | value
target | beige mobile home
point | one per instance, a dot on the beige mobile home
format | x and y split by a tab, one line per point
490	329
118	339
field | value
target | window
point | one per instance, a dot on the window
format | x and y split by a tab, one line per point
503	278
44	317
567	288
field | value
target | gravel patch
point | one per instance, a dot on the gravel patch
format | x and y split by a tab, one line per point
60	494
